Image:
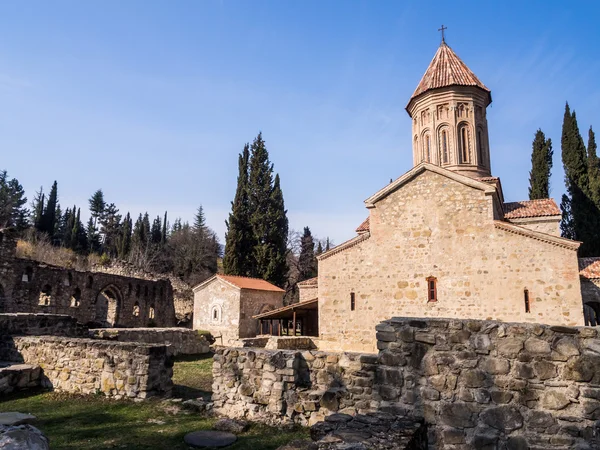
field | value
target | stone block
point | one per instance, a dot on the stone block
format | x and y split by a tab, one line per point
555	400
495	366
505	418
457	415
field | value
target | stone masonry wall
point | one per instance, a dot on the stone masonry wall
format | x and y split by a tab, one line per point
477	384
437	227
40	324
90	366
179	341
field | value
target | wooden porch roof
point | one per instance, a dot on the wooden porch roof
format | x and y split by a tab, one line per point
287	311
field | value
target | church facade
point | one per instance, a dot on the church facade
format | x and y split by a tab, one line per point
440	241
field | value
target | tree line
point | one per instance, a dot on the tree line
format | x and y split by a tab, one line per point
580	205
189	251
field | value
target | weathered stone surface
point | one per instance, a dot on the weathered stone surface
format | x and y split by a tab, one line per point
495	366
16	418
457	415
231	425
22	437
555	400
537	346
505	418
203	439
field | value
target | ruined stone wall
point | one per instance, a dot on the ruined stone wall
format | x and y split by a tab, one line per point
90	366
40	324
217	309
254	302
477	384
104	299
436	227
179	341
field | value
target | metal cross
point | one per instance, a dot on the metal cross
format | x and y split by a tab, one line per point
442	30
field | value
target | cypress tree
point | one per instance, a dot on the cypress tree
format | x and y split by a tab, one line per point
125	238
541	167
319	248
276	238
239	240
139	233
581	214
156	233
327	244
92	236
307	262
260	187
49	216
164	230
593	168
37	206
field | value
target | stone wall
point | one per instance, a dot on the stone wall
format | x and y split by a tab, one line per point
96	298
477	384
433	226
90	366
179	341
40	324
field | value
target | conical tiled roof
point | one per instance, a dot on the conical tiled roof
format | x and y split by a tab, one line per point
447	69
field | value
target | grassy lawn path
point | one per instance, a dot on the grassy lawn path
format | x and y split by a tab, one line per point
94	422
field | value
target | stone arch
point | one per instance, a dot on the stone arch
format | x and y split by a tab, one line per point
136	309
27	274
465	143
591	313
76	298
427	146
108	305
444	144
151	312
45	295
216	314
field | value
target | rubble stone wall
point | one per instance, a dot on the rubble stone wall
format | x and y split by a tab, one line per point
90	366
28	286
477	384
40	324
179	341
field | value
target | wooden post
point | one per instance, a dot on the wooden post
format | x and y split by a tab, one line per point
294	324
279	328
271	327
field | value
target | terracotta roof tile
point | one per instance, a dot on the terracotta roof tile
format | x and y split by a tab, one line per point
447	69
363	227
310	282
589	267
531	208
250	283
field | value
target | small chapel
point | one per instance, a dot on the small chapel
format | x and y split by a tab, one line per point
440	241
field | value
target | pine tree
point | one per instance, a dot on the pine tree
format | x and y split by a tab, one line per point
582	215
111	229
139	232
239	239
49	217
93	237
200	221
97	205
156	233
37	207
307	262
541	167
12	203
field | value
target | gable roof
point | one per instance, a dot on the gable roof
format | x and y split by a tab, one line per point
364	227
417	170
310	282
538	235
255	284
447	69
531	208
589	268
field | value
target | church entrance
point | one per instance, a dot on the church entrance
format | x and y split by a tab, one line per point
108	303
591	313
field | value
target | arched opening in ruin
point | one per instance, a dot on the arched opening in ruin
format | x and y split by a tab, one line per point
90	281
69	279
27	275
45	296
151	313
108	303
76	298
591	313
136	309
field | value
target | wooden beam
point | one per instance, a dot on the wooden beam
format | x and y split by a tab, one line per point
294	324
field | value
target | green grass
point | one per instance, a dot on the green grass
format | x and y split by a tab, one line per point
94	422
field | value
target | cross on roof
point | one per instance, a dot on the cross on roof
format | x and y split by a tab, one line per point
442	30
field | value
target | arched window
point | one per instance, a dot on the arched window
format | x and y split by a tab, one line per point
215	314
46	296
444	146
136	309
480	147
145	291
76	298
137	290
431	289
464	144
151	312
427	148
27	275
69	280
90	281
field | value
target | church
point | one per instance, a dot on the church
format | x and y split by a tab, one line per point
440	241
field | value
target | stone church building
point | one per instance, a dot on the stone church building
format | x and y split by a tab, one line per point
440	241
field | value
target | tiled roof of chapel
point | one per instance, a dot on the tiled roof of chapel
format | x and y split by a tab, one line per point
250	283
531	208
447	69
589	267
363	227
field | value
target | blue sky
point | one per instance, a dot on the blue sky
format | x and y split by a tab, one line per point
152	101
